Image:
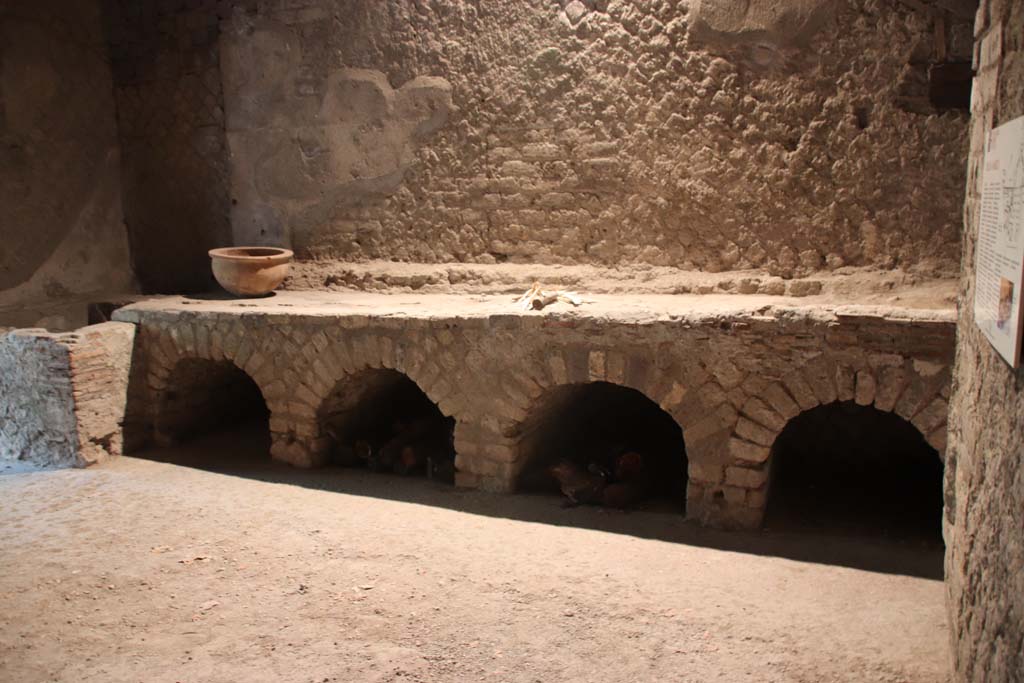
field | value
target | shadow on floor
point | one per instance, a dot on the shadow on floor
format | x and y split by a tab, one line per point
242	452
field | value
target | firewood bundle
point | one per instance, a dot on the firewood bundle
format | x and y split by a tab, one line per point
414	447
536	298
627	481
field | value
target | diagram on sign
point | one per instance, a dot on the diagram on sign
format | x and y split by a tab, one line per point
1012	219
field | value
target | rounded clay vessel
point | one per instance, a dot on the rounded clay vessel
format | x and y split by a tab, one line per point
250	271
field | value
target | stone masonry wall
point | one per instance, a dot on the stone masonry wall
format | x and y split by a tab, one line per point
62	396
170	114
62	234
731	382
712	134
984	485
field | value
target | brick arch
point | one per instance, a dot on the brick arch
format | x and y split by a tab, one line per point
688	393
692	396
177	344
572	399
338	357
914	389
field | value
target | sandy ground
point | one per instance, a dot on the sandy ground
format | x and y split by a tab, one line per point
151	571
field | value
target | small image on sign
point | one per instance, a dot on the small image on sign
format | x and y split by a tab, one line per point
1005	303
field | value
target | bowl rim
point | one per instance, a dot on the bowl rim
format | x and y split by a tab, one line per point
276	255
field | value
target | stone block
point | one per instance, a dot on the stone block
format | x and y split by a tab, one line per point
735	495
800	390
673	397
865	394
720	419
502	452
706	472
781	402
596	366
758	410
914	397
937	439
746	451
931	416
557	368
821	376
616	367
755	433
891	383
745	477
638	371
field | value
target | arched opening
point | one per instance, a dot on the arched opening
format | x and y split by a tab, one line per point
216	409
854	469
381	420
604	444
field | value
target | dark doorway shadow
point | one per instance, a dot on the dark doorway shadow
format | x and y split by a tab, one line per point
859	472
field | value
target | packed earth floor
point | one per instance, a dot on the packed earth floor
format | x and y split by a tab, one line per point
197	563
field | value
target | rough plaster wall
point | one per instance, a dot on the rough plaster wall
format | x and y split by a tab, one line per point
716	135
171	125
984	467
62	234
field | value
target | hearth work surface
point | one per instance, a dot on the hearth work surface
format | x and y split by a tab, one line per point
730	370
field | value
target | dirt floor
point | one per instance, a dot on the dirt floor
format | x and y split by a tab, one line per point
152	571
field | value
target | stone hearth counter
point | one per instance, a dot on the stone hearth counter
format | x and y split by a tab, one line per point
732	370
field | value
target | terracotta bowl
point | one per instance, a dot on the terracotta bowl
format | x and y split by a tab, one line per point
250	271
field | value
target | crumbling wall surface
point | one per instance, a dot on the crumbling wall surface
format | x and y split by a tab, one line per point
62	234
37	417
62	396
984	484
171	124
712	134
101	359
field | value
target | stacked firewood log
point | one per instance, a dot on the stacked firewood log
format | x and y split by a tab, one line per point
420	446
619	483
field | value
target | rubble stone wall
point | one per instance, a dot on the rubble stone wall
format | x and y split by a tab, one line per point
713	135
170	112
731	383
984	485
693	134
62	396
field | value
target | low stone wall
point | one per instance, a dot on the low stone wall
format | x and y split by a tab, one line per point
62	396
731	377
